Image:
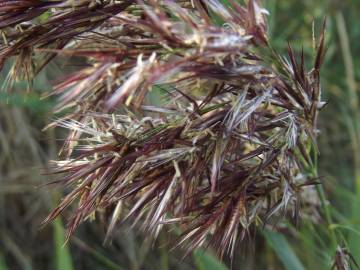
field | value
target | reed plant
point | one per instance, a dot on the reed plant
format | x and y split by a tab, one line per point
181	115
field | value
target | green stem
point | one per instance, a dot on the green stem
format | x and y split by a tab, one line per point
324	204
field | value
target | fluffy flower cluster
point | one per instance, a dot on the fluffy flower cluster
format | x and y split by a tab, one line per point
183	114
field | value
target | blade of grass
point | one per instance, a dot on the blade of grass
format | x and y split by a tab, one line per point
107	263
2	262
205	261
22	259
30	101
63	257
271	6
283	250
352	125
164	254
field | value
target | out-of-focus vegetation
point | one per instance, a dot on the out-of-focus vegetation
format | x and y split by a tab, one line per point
25	149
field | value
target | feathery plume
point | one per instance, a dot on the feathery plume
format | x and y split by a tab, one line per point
184	114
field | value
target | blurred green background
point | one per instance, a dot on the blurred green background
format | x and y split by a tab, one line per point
25	150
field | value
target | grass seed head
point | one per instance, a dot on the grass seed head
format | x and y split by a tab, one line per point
183	114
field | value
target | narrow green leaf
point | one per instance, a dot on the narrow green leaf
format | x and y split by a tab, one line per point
354	238
31	101
205	261
98	255
63	257
2	262
283	250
